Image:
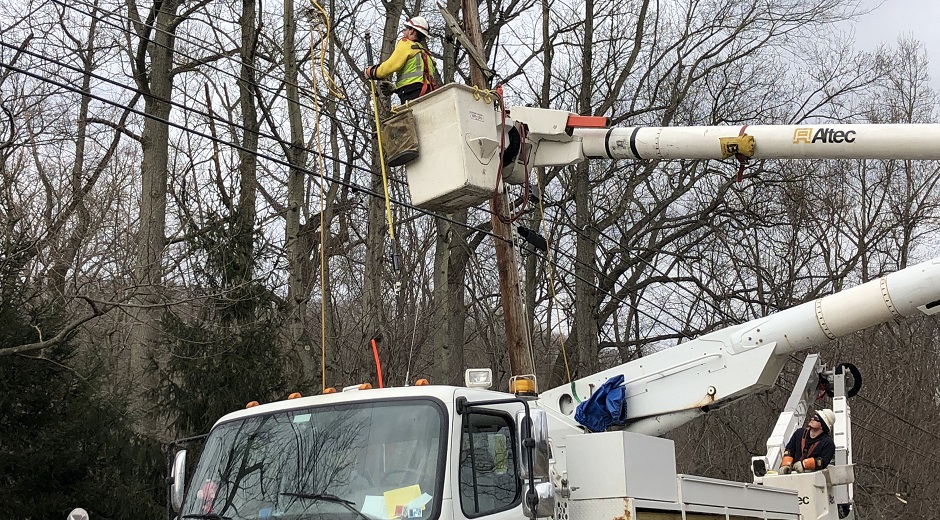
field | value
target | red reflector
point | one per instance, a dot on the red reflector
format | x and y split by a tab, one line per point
576	121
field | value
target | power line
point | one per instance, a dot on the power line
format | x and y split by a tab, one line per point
236	146
276	139
212	66
191	110
899	418
893	441
181	106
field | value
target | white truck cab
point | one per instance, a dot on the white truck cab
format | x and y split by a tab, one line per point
441	453
383	453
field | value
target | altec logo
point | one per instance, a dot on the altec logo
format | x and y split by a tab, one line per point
823	135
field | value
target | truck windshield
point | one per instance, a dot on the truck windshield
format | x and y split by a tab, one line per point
363	460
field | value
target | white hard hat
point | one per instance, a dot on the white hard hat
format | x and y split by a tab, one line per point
828	417
419	24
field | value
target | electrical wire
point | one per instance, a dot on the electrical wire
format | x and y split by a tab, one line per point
350	106
207	115
187	109
899	418
893	441
315	95
275	92
199	45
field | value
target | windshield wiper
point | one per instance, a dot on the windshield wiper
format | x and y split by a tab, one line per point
325	497
208	516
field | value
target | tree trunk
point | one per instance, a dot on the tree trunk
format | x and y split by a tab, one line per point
156	81
247	155
451	255
299	342
585	270
376	268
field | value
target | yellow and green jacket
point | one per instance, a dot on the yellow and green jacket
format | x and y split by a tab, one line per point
412	63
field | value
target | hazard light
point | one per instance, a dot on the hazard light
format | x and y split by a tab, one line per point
523	385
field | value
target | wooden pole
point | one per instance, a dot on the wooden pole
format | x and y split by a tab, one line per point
520	361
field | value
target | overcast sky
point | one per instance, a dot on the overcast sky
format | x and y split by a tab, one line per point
920	18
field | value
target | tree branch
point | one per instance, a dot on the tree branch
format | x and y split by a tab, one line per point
63	335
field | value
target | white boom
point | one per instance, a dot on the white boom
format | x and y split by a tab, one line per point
673	386
461	136
772	142
555	141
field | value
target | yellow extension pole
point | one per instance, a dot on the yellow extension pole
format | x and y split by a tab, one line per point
378	135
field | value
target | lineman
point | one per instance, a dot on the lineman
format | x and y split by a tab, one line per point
811	448
413	65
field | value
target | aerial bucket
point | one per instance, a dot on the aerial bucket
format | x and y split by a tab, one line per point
459	159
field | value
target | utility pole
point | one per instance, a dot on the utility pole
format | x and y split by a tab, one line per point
517	342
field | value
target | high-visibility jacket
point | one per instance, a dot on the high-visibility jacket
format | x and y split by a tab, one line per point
412	63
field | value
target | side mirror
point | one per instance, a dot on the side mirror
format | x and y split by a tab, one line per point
534	427
78	514
545	506
178	480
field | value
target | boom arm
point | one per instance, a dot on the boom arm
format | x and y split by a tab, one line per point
556	138
462	136
670	387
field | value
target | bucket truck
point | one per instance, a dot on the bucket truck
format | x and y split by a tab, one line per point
440	452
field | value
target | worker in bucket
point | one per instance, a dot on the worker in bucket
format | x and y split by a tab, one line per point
811	448
416	74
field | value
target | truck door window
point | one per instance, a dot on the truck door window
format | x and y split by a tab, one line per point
488	480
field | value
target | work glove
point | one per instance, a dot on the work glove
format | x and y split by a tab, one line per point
784	470
386	87
798	467
370	72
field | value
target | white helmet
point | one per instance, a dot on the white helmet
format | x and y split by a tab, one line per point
828	418
419	24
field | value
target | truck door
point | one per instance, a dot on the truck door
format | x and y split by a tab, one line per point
487	482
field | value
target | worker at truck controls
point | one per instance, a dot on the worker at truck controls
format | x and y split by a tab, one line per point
811	448
416	74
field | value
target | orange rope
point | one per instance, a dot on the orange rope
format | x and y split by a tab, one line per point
378	364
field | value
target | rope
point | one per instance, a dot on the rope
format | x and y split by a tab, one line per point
323	235
378	364
414	330
331	85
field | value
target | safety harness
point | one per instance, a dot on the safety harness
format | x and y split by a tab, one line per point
422	70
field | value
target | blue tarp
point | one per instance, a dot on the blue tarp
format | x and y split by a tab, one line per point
606	407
